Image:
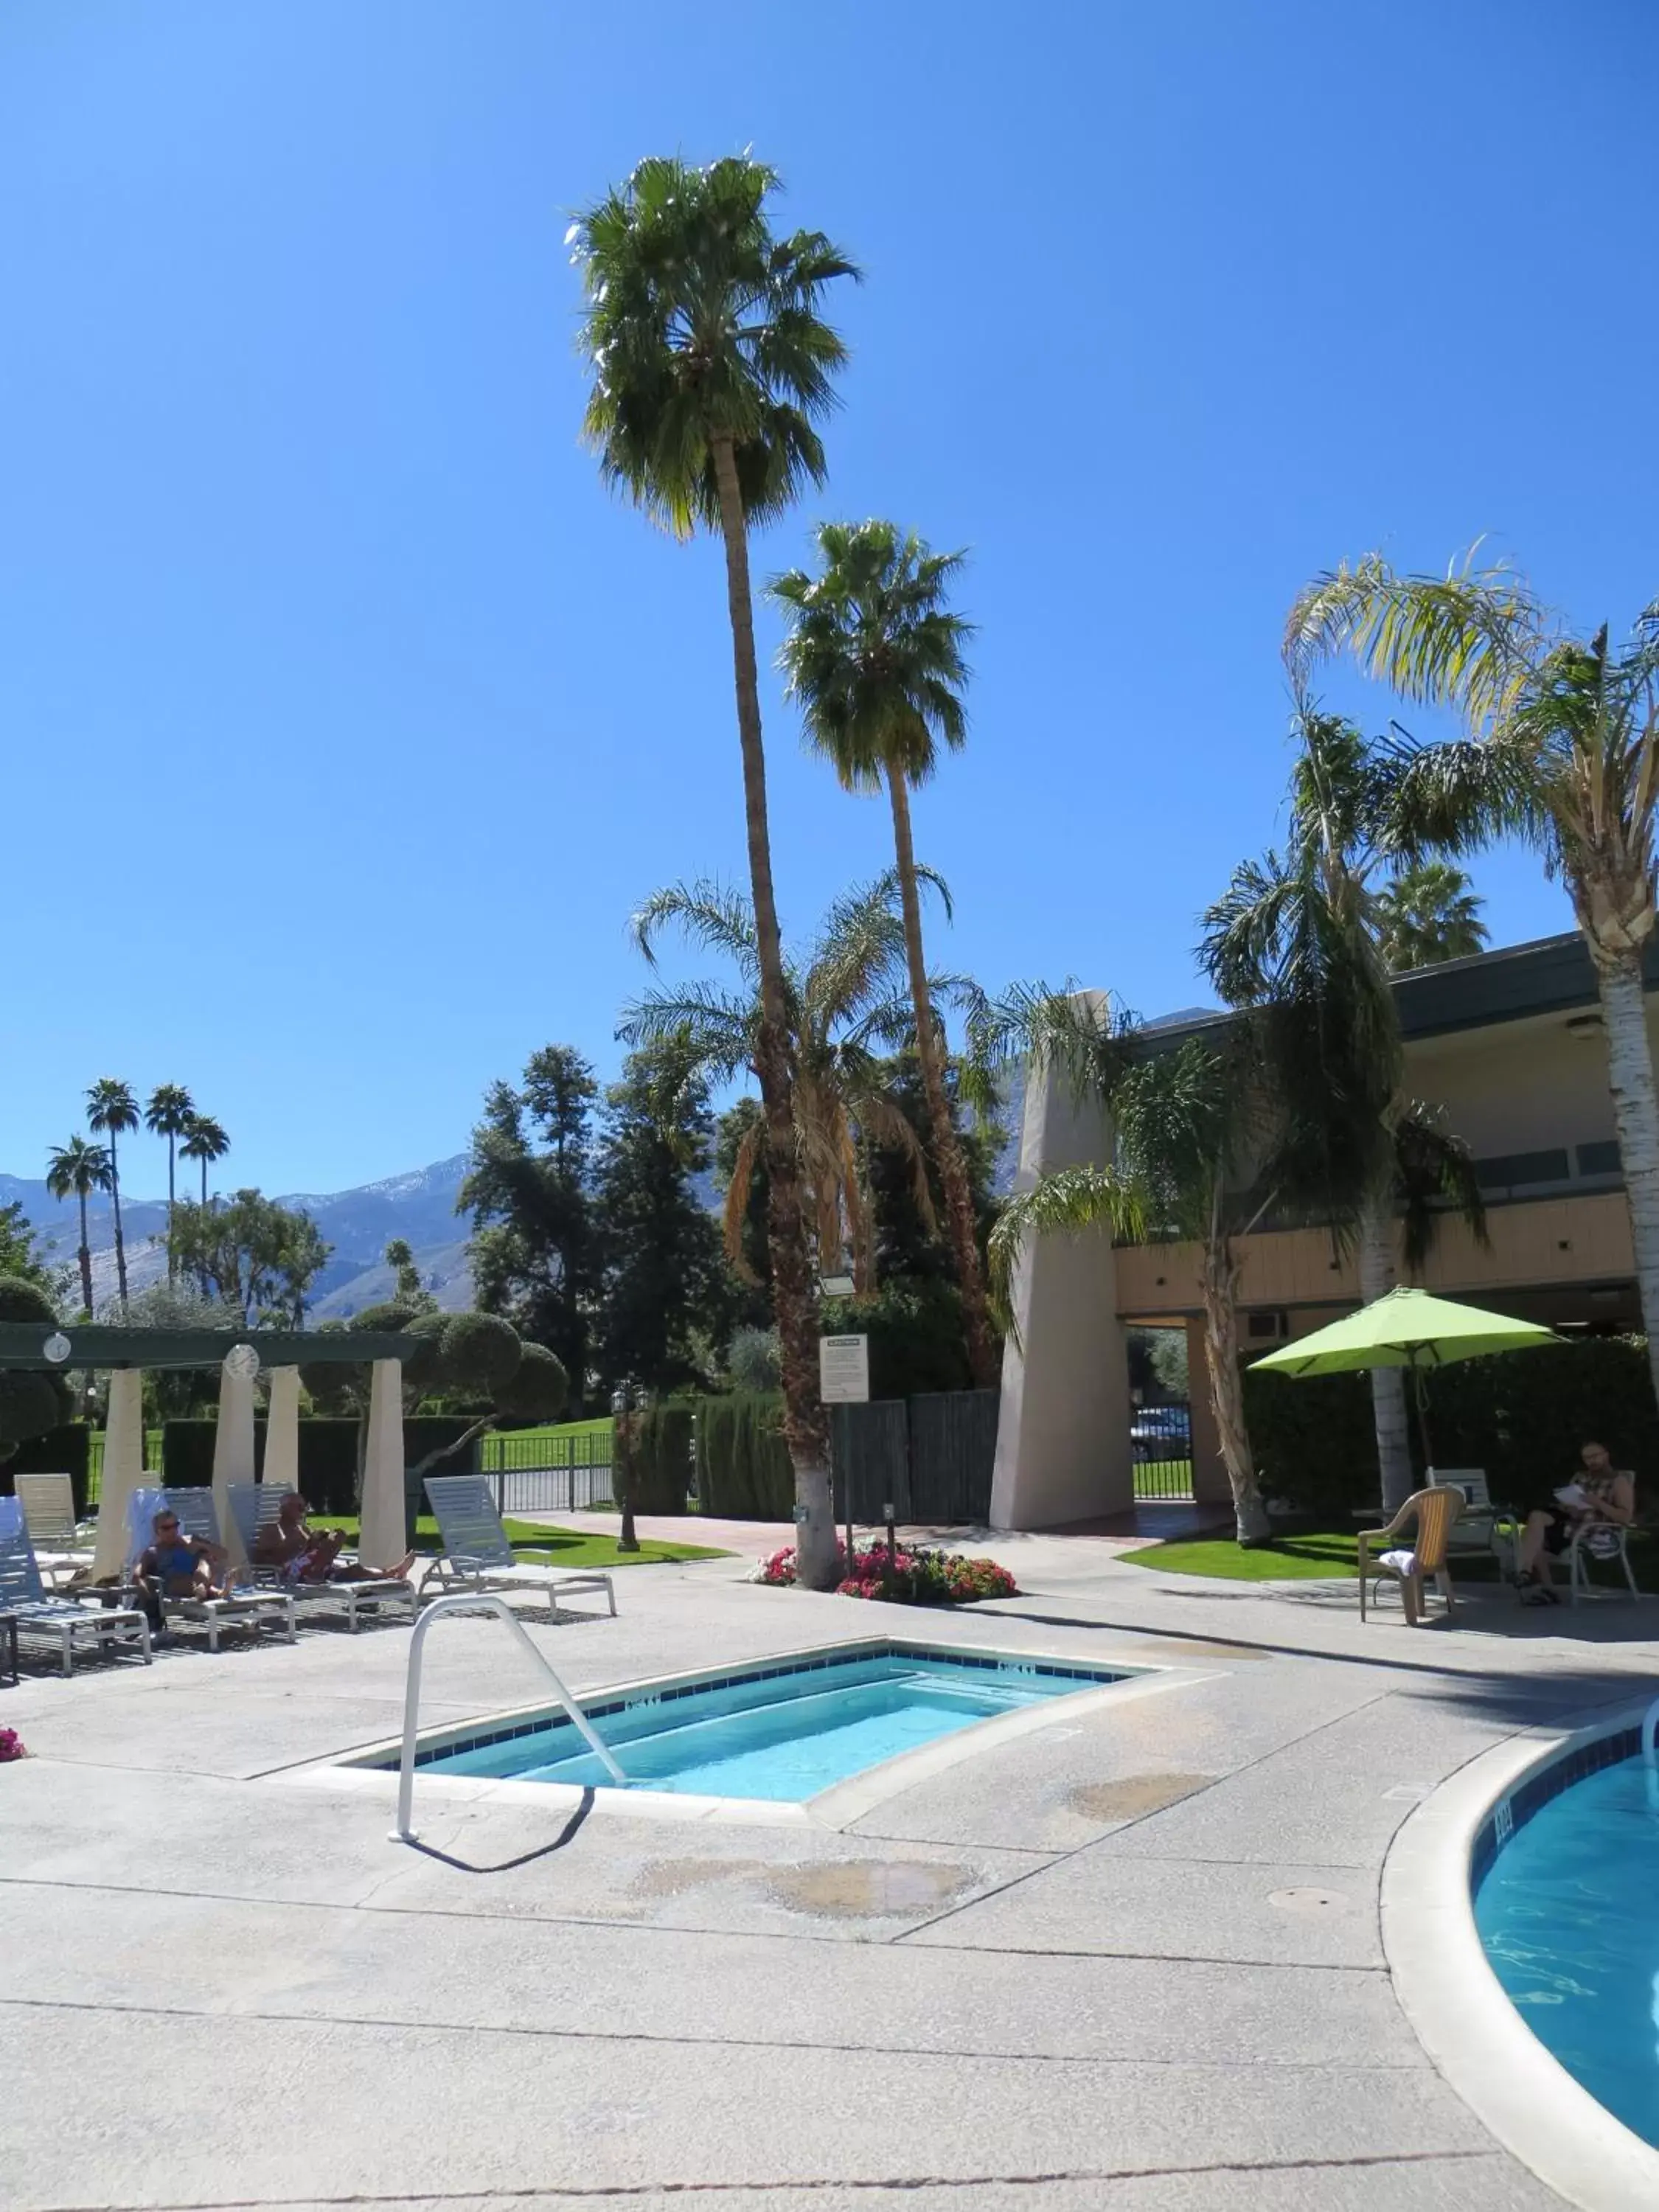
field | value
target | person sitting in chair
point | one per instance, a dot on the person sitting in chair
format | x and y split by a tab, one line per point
174	1564
1602	1495
312	1555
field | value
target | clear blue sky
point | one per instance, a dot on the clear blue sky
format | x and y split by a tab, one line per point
345	716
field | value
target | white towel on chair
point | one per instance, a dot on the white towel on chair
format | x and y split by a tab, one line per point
1403	1562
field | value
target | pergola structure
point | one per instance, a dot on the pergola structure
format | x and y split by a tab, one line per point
279	1354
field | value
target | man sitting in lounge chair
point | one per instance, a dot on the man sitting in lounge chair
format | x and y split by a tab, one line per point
174	1564
1600	1500
312	1555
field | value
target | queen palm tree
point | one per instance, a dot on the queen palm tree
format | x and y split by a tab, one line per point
1294	940
169	1113
1561	749
875	659
845	1002
1427	913
76	1169
712	365
111	1109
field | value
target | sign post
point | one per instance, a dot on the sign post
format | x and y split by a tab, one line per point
844	1380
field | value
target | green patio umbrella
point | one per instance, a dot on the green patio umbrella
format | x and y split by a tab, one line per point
1407	1328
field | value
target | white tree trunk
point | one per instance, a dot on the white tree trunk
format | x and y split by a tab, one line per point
1377	1276
1636	1116
1219	1284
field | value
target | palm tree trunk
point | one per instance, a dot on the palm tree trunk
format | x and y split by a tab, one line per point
86	1259
170	1204
1218	1288
947	1153
1388	1415
1635	1117
806	1430
120	1245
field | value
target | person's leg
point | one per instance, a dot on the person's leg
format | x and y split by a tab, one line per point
1532	1542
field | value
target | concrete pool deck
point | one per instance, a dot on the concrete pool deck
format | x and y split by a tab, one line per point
1131	1958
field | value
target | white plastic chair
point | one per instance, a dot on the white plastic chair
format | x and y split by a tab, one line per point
477	1555
48	1503
255	1506
60	1620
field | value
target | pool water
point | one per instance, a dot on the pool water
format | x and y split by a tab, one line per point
780	1733
1569	1914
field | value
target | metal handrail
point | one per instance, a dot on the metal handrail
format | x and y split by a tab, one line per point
476	1602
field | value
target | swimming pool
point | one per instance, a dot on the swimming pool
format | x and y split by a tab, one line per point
780	1733
1566	1871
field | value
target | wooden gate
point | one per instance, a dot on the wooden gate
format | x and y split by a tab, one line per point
930	1457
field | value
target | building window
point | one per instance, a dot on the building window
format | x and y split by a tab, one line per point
1599	1160
1513	1170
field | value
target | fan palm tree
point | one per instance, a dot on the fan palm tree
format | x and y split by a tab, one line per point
111	1110
169	1113
847	1001
75	1170
1294	940
1561	749
1428	913
875	659
206	1141
712	366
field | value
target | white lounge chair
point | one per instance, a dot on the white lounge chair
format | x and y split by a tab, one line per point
477	1555
198	1516
60	1620
255	1506
48	1503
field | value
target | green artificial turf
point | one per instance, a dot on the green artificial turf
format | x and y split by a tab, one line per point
1328	1555
559	1547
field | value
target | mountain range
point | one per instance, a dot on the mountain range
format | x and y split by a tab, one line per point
419	1206
359	1223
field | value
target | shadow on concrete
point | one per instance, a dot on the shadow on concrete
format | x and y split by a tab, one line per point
566	1835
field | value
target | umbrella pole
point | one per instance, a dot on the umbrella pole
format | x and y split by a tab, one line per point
1420	1392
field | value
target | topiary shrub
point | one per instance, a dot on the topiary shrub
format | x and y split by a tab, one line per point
478	1354
31	1401
538	1389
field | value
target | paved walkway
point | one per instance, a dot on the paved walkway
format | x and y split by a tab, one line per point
1129	1960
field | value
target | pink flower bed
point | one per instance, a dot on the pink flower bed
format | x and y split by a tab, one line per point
11	1746
911	1576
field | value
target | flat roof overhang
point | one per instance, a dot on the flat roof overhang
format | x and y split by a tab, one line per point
22	1343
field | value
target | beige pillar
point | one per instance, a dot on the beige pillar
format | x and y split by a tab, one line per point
281	1468
233	1442
123	1468
1063	1450
384	1537
1210	1483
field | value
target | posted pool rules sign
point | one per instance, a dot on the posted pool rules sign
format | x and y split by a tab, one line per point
844	1370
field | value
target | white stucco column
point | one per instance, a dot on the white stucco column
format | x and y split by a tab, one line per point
281	1468
384	1537
233	1442
1063	1450
123	1468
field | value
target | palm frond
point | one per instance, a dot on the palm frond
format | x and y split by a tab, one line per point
1067	1202
707	912
1434	1169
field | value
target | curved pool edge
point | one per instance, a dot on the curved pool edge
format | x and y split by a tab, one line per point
1458	2009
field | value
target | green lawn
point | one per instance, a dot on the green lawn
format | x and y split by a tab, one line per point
559	1547
1327	1554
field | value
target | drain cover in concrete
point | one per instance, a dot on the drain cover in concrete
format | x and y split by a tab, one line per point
1308	1900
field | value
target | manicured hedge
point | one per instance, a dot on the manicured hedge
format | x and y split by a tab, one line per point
64	1451
744	1472
657	1470
1522	1416
915	1333
328	1456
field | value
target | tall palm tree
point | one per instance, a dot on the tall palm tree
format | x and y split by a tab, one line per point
1295	938
76	1169
875	659
1561	751
206	1141
712	364
1428	913
845	1002
111	1110
169	1113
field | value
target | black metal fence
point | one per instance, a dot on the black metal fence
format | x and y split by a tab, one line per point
930	1457
1161	1441
536	1473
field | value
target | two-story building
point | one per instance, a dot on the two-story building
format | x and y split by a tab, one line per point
1510	1044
